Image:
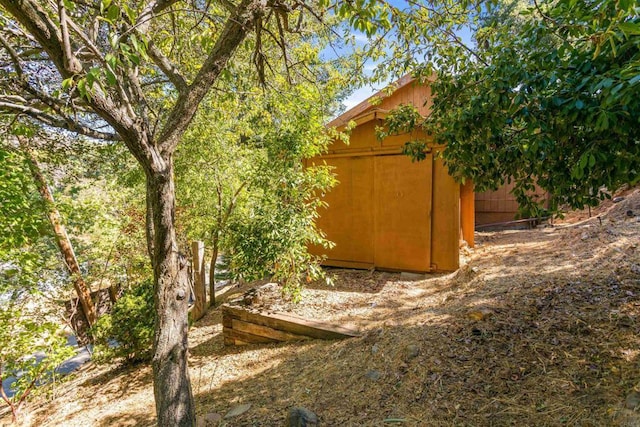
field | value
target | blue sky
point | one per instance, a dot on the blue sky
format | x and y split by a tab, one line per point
365	92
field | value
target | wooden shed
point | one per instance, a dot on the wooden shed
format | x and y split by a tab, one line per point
388	212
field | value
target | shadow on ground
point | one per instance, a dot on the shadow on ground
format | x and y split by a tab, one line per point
556	343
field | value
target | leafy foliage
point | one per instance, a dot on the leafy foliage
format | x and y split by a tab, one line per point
539	93
30	350
274	235
550	97
22	222
402	120
242	184
127	332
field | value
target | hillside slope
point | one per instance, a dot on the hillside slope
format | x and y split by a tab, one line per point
540	327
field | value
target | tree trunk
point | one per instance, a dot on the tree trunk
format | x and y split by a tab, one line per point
62	239
172	386
212	274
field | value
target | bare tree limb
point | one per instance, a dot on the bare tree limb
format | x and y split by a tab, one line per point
65	123
167	67
66	42
14	56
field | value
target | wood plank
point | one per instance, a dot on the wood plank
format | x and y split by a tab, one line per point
247	337
348	221
226	338
402	213
445	244
292	324
467	213
265	331
227	321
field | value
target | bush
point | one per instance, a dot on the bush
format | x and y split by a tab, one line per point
127	333
30	350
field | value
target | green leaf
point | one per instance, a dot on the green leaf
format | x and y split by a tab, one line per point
104	5
69	5
134	42
67	83
111	60
111	78
129	12
584	159
113	13
630	28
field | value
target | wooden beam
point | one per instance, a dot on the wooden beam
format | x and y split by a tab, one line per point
467	213
265	331
255	327
246	337
199	290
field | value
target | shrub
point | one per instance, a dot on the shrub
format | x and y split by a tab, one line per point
30	350
127	333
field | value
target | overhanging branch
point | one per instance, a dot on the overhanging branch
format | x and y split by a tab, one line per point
65	123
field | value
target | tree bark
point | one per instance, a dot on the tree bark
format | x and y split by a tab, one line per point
212	274
62	239
172	386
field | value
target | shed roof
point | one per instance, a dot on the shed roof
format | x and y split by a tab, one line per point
360	113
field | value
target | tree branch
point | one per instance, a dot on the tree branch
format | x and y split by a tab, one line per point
14	56
131	130
58	122
66	42
233	33
124	99
142	25
38	23
152	8
167	67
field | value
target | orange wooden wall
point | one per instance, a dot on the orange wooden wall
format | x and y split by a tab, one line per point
388	212
499	205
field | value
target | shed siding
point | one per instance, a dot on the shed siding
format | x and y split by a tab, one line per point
352	229
500	205
445	241
386	211
402	213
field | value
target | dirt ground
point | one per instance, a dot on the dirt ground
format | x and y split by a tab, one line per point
539	327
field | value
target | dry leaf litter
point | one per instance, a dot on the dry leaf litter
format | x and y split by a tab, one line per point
538	328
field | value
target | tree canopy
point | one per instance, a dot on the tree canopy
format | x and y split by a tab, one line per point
543	93
551	99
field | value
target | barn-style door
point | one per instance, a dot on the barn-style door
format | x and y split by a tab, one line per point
402	213
379	214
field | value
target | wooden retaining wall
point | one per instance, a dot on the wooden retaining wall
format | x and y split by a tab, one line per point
246	326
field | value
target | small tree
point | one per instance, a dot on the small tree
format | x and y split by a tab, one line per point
242	185
130	325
